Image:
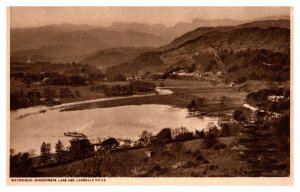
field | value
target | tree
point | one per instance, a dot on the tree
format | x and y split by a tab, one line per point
110	143
146	137
210	140
238	115
59	150
200	134
80	148
45	152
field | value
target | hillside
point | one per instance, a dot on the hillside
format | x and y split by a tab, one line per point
202	30
114	56
251	51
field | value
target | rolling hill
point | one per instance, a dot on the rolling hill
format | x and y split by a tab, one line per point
113	56
65	44
240	48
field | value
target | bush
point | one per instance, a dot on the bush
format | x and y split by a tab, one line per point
184	136
200	134
210	140
201	158
110	143
230	129
219	145
142	86
162	84
190	164
155	170
118	90
239	115
164	136
80	148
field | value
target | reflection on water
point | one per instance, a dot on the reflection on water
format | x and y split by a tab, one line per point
121	122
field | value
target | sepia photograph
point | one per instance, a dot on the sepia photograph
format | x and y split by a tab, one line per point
103	93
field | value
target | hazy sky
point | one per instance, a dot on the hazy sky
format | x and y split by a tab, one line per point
104	16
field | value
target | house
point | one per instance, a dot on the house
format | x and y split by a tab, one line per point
181	74
149	153
276	98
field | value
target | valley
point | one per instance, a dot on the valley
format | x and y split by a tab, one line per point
131	100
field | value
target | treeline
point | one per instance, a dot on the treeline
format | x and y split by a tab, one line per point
51	79
45	96
121	90
75	74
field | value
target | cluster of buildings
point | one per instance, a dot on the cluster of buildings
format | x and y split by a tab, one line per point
277	98
182	73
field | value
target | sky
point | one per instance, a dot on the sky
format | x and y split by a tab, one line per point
21	17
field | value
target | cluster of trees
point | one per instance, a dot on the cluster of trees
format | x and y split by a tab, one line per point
64	80
52	78
26	98
115	77
260	99
142	86
79	148
21	165
241	114
281	127
21	99
98	88
118	90
70	74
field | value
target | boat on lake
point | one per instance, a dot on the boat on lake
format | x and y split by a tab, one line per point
75	134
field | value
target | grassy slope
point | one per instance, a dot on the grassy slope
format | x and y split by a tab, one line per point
174	162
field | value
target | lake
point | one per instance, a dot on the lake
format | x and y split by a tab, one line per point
29	129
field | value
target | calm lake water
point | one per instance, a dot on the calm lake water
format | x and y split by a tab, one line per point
29	129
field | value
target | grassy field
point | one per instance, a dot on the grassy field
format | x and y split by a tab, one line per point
252	85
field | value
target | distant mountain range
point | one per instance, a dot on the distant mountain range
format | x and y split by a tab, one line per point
237	47
118	43
65	45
